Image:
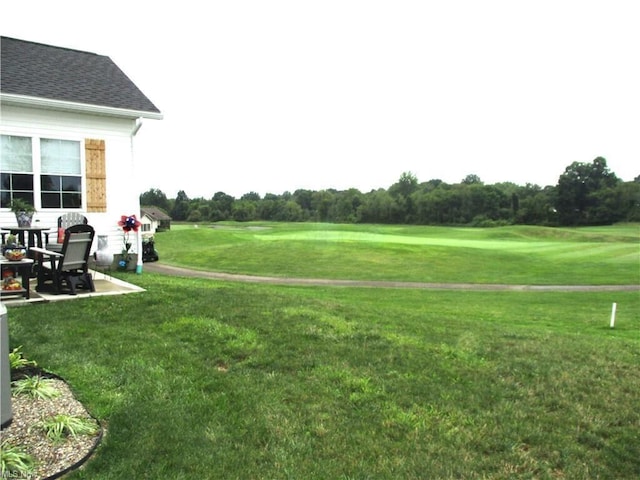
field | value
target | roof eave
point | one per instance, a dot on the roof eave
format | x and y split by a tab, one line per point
61	105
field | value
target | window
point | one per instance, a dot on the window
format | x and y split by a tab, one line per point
61	174
48	168
16	169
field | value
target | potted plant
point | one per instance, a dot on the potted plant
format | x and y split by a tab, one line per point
11	240
12	250
23	210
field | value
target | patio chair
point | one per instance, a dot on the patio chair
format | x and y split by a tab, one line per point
65	221
69	266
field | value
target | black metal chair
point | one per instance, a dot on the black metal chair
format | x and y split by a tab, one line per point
69	266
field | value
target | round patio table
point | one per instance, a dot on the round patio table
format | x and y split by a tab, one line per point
33	235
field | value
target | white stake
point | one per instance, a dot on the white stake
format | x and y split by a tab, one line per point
613	314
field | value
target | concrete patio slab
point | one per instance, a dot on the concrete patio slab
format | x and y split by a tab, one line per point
105	285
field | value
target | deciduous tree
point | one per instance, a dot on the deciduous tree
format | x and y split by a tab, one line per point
582	194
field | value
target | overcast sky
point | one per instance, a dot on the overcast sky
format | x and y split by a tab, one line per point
272	96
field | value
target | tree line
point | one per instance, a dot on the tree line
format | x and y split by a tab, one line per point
586	194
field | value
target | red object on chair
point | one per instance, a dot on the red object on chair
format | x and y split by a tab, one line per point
65	221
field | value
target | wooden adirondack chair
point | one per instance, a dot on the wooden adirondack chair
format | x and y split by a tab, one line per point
65	221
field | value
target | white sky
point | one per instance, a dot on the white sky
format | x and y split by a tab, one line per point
272	96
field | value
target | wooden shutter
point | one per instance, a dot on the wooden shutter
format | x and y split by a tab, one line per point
96	173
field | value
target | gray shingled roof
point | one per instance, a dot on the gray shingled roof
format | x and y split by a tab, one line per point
44	71
156	213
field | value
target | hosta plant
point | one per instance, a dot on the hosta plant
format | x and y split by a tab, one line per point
36	387
14	462
17	360
57	427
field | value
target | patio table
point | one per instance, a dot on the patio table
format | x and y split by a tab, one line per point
33	239
24	269
33	235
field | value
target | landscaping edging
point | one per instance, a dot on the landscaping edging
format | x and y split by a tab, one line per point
76	451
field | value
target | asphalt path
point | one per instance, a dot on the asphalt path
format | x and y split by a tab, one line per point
158	267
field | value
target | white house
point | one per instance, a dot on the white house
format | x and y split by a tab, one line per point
154	219
68	121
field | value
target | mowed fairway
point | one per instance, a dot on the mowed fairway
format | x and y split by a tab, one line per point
206	379
510	255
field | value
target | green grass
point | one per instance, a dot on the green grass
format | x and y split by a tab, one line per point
511	255
213	380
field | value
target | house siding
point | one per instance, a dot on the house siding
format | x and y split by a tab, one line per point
122	196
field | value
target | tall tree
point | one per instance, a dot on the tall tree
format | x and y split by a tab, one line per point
378	207
180	209
221	206
471	179
582	193
251	196
405	186
156	198
243	211
345	206
401	192
629	195
304	198
321	202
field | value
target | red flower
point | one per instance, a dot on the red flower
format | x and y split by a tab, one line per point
129	223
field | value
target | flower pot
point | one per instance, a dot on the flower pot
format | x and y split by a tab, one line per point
14	253
24	218
125	262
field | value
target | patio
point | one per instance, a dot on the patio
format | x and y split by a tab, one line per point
105	285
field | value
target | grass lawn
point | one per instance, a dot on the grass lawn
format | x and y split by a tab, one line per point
512	255
212	380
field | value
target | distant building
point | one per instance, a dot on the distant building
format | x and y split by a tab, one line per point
153	220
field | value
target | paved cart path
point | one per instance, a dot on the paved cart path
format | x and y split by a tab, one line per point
157	267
